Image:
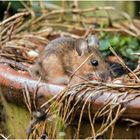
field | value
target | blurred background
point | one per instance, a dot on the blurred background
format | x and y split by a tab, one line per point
131	7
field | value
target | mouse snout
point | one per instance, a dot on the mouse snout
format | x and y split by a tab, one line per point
105	76
91	76
101	76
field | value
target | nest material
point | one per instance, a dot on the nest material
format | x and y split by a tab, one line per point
81	97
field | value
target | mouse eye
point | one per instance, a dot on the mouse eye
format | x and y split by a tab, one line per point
37	72
94	62
40	63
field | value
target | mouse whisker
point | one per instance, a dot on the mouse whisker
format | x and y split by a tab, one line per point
74	74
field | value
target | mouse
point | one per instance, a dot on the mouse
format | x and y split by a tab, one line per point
71	60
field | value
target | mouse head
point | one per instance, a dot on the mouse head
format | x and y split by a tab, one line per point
94	67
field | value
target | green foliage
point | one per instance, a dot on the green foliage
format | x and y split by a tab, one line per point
17	120
123	45
15	5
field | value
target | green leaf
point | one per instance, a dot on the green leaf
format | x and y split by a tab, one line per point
123	52
133	44
104	44
115	40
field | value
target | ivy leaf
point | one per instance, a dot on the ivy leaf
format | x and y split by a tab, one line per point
133	44
115	40
104	45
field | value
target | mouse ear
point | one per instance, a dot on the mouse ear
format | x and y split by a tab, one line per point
81	46
93	42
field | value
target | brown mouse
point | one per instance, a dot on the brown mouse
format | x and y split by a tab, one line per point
62	56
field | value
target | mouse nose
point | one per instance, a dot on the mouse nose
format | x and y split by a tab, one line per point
105	76
91	76
99	76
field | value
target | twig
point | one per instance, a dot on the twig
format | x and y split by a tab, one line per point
80	66
18	15
122	63
7	9
82	111
27	99
65	11
31	11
